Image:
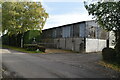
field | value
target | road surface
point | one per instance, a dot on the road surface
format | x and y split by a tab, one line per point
58	65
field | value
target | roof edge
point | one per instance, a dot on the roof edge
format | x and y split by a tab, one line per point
67	25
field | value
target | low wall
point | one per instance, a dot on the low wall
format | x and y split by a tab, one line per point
95	45
74	44
70	44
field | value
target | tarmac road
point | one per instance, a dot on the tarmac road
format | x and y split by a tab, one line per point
56	65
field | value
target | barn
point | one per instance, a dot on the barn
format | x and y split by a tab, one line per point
85	36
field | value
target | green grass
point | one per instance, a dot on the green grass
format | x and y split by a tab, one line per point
113	65
20	49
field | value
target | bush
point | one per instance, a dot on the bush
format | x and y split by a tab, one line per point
117	47
5	39
30	35
109	54
118	58
12	40
34	47
41	48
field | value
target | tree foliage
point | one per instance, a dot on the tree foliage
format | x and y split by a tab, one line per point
107	14
0	19
19	17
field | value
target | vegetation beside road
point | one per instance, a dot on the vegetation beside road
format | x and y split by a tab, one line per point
112	65
111	59
20	49
103	13
22	22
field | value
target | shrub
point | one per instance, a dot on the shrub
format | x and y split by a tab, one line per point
12	40
117	47
109	54
118	58
41	48
5	39
30	35
34	47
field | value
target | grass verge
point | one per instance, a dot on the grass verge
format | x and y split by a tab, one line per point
20	49
111	65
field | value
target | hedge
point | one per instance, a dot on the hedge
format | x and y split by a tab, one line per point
15	40
30	35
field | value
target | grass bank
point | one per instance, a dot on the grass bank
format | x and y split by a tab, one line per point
20	49
112	65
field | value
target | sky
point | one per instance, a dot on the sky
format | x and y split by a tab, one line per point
63	12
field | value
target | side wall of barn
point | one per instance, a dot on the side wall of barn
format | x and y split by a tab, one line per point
74	44
84	36
69	37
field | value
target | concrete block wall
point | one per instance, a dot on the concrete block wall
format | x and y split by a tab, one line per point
73	44
69	44
76	44
48	43
79	44
95	45
61	43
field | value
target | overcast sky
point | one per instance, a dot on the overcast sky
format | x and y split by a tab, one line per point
63	12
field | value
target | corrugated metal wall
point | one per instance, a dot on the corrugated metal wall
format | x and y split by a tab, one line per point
69	31
94	31
82	30
66	32
72	37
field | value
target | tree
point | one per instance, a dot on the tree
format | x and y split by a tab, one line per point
107	14
0	20
19	17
